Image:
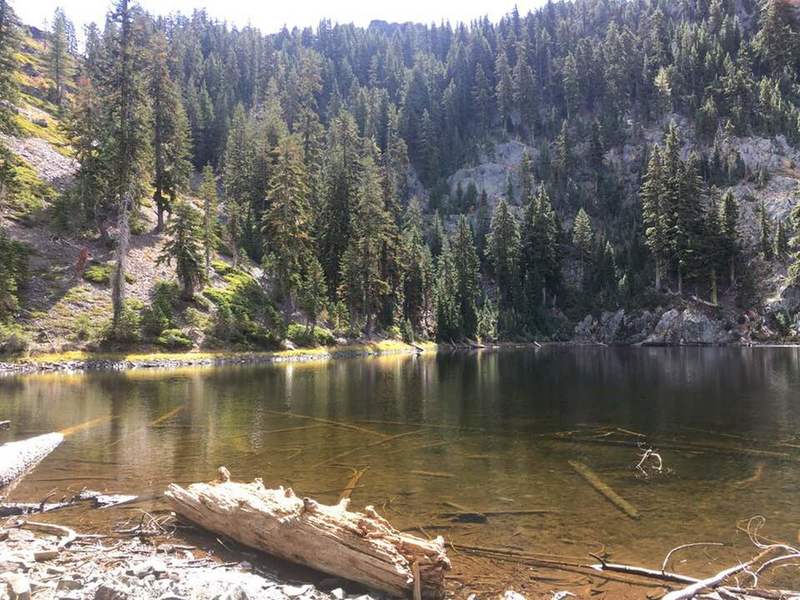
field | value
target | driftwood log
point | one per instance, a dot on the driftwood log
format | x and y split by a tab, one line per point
361	547
17	458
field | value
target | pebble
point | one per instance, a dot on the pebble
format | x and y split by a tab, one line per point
293	591
338	593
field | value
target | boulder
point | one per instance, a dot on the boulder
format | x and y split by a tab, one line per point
584	331
637	327
611	326
690	327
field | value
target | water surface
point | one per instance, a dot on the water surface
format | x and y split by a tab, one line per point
479	437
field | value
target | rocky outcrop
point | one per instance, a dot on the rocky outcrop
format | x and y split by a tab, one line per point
492	174
689	327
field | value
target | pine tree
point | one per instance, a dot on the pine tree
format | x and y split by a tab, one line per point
540	260
59	59
341	179
503	249
524	88
237	177
9	41
504	91
765	232
794	269
583	240
418	280
526	178
465	260
287	225
482	100
184	247
781	241
313	292
208	194
448	313
729	233
125	103
171	145
364	282
778	40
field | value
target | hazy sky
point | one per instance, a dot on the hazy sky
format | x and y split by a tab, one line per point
271	15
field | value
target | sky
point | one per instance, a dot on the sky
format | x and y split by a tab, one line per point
271	15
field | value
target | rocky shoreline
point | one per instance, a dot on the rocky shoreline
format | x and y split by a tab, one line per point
31	365
106	568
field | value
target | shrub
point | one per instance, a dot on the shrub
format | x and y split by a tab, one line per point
302	335
128	329
160	314
13	273
174	339
100	273
394	333
221	267
244	312
13	340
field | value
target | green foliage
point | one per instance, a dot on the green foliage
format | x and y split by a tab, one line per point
13	339
127	330
174	339
13	274
309	336
100	273
245	314
160	315
184	247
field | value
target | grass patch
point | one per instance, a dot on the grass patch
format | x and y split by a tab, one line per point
51	133
100	273
27	194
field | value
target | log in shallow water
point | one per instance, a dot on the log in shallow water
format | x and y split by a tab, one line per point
362	547
17	458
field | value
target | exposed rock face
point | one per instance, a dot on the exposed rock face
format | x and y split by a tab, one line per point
51	166
690	327
492	173
611	324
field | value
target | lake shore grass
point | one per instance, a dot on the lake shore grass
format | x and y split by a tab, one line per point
116	361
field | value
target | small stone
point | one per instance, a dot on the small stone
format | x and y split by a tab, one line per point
109	592
235	593
68	584
338	593
292	591
512	595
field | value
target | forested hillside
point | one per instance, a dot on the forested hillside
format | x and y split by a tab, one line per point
635	158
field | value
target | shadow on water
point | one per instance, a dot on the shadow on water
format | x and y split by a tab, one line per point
479	437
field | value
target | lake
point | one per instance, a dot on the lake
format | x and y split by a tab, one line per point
440	437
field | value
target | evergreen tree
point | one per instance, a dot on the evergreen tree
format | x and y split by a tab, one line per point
794	269
208	194
583	240
171	143
729	233
419	277
9	41
237	178
126	109
504	91
465	260
184	246
59	60
448	313
540	260
778	39
524	88
287	225
503	249
765	232
313	292
363	280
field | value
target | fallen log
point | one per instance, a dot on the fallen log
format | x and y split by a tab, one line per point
604	489
5	424
361	547
17	458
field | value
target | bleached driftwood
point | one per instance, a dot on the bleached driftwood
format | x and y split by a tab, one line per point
361	547
17	458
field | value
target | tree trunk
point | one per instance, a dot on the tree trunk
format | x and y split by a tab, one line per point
160	206
361	547
17	458
121	257
658	275
680	281
714	295
733	271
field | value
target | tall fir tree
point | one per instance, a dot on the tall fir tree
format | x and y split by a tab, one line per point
583	240
208	194
465	259
503	249
184	247
171	144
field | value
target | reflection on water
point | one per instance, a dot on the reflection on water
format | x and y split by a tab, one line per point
478	429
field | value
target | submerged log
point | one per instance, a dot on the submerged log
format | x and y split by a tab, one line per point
17	458
602	487
361	547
